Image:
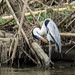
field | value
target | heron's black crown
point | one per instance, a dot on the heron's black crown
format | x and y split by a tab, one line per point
46	22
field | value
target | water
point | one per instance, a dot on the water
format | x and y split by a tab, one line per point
60	69
34	71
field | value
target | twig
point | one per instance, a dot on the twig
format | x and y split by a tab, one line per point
5	61
23	33
70	23
70	49
10	49
7	25
56	2
20	25
66	18
41	3
52	2
34	16
67	1
61	2
39	16
28	21
19	30
29	56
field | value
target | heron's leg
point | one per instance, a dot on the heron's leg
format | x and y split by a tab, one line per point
50	49
49	61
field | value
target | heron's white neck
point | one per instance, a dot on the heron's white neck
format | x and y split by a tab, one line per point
40	32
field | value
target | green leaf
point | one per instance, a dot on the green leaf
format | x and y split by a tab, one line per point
29	18
1	20
43	14
70	7
41	18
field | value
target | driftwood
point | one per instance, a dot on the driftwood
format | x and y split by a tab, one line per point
67	34
26	14
16	43
7	39
24	35
43	56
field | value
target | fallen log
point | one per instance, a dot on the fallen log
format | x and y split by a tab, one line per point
4	34
7	39
63	45
67	34
39	51
26	14
7	17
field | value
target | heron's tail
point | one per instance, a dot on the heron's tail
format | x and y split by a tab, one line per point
58	49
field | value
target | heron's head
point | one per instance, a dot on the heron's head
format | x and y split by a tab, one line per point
36	34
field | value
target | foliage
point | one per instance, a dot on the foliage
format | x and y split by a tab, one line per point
66	12
43	16
2	21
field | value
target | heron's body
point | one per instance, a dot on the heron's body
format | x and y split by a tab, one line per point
51	31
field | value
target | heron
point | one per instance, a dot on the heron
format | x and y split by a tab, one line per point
50	29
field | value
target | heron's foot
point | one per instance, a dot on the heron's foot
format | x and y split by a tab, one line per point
0	64
52	65
49	64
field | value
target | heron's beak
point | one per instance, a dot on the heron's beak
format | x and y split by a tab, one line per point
44	40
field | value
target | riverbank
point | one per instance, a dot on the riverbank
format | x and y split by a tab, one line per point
17	49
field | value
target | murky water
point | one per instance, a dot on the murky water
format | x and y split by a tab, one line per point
59	70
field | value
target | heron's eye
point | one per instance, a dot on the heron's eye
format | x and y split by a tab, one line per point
37	37
37	32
